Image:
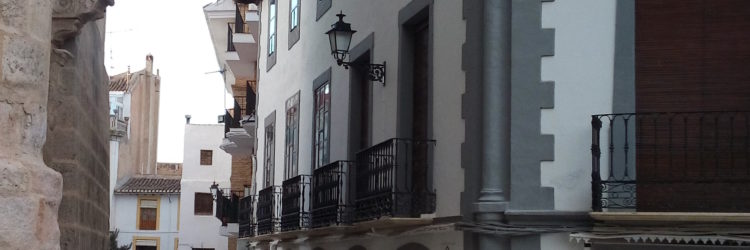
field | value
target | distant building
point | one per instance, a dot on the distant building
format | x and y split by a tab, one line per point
204	164
147	213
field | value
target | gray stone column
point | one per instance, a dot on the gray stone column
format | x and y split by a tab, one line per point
29	191
493	197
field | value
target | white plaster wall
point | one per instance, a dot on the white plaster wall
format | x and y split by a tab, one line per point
559	241
126	217
205	137
114	152
199	231
582	69
202	231
296	69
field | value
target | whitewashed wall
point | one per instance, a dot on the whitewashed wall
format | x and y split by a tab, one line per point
296	69
202	231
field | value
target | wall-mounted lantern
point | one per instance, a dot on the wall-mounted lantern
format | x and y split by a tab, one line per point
215	190
340	37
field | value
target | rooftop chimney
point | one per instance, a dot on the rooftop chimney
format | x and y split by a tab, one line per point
149	64
187	119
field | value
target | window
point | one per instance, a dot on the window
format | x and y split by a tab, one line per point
207	157
293	14
146	243
204	204
268	156
148	213
322	125
271	27
291	153
322	7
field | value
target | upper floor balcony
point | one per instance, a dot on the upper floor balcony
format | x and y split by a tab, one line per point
686	162
239	125
392	180
295	203
246	216
227	207
117	127
387	187
242	47
268	214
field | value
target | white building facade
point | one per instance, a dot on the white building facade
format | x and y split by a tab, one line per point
502	124
204	164
147	214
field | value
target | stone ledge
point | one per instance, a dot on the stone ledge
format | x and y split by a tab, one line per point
671	217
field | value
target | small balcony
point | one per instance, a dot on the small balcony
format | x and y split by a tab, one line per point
330	198
295	203
246	216
227	203
237	140
686	162
117	127
392	180
269	210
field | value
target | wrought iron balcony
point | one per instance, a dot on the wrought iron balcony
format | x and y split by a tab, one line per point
227	203
230	38
295	203
330	199
671	162
392	179
117	127
246	216
268	213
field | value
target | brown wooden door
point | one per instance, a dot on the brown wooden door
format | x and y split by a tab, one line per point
692	56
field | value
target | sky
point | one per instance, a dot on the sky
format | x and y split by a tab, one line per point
176	34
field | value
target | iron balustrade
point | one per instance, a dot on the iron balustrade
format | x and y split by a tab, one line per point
295	203
239	20
230	38
330	194
227	203
671	162
392	179
246	216
233	120
269	210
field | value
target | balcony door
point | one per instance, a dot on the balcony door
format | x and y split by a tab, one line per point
692	56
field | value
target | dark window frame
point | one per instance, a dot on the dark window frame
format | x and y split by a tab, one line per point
269	150
206	157
322	125
203	209
291	142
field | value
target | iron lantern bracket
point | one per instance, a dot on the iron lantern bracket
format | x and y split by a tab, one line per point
375	72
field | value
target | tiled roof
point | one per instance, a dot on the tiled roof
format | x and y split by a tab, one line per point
150	185
119	82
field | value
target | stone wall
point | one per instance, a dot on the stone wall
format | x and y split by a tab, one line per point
38	37
77	138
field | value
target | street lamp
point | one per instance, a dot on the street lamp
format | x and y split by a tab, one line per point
215	190
340	38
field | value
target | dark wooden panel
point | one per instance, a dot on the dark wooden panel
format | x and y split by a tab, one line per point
692	56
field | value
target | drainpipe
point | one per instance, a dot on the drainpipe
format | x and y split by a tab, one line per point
493	198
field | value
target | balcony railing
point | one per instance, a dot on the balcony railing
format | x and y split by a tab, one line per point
330	199
295	203
117	127
239	20
227	204
230	38
269	210
246	216
392	179
232	120
671	162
